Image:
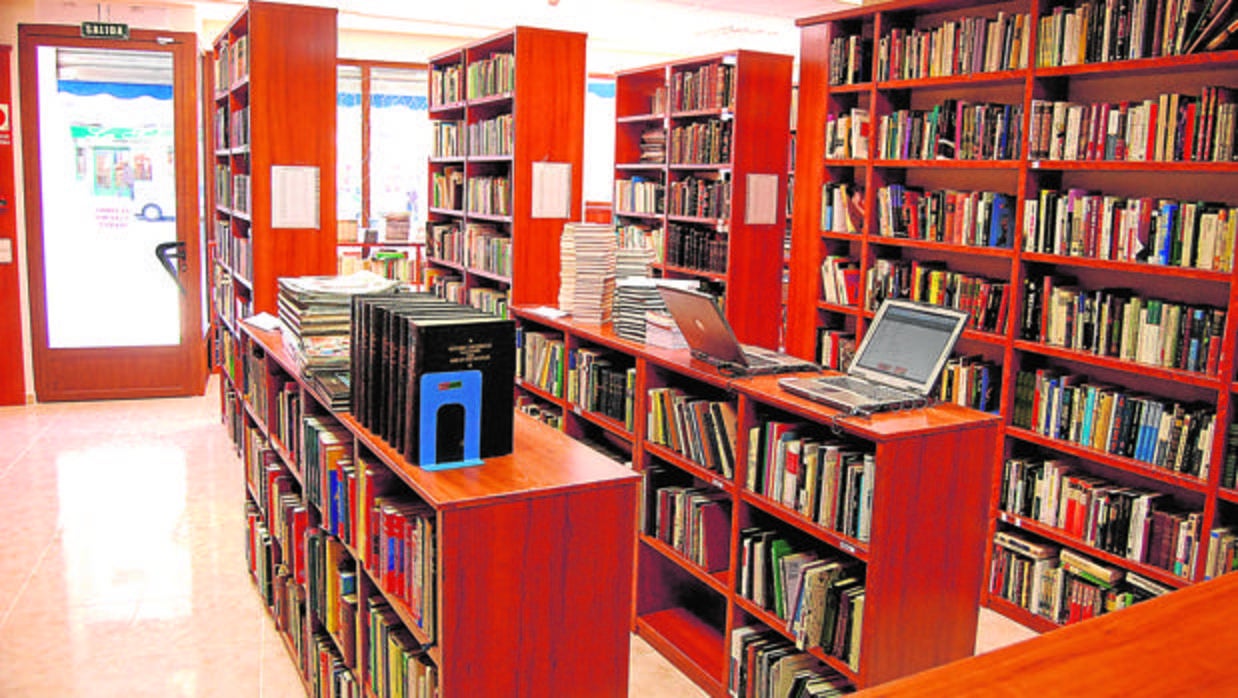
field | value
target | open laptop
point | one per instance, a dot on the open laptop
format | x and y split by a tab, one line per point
711	339
896	365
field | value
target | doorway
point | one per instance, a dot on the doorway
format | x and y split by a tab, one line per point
109	136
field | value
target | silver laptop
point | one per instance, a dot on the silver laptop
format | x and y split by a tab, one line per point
711	339
896	365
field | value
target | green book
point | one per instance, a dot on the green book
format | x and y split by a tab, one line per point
778	549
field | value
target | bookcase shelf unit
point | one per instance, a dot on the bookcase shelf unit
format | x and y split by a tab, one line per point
922	561
261	123
1035	258
541	108
737	246
534	547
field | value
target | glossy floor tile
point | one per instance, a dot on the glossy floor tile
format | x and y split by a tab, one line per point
122	566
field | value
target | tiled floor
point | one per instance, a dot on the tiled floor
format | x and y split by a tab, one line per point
122	561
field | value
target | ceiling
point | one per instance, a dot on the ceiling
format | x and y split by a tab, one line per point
622	33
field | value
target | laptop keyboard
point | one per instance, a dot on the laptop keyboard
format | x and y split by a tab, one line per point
864	388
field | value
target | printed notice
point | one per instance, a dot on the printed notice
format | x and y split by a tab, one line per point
761	203
294	196
552	189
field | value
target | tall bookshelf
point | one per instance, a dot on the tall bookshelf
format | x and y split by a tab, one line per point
505	173
273	140
1078	267
920	558
532	547
713	201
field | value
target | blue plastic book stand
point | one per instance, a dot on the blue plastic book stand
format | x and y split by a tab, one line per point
439	390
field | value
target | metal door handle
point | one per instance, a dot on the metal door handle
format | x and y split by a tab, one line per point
165	252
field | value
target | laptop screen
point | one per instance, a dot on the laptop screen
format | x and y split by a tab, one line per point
908	344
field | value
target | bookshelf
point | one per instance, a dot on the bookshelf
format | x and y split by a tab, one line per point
502	109
533	546
1060	231
694	173
921	563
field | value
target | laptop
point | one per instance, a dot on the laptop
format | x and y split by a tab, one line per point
712	340
896	365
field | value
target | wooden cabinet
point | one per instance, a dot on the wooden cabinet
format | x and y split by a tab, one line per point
695	174
917	554
526	564
1081	208
505	171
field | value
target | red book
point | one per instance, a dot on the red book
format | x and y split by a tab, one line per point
300	524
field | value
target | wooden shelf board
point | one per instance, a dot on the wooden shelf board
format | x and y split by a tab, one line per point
493	276
718	581
949	164
445	263
1019	614
699	273
1208	275
976	250
493	218
639	118
697	470
1120	462
539	392
613	426
1202	380
1013	77
850	89
691	644
490	158
1165	64
1134	166
632	214
458	213
852	546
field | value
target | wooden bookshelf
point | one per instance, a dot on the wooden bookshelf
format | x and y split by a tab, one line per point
1035	176
922	560
744	96
534	546
543	100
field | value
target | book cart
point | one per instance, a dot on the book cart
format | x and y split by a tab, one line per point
1091	148
516	576
918	554
695	174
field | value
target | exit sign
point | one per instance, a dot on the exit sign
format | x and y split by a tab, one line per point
105	30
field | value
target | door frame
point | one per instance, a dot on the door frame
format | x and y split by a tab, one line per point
183	369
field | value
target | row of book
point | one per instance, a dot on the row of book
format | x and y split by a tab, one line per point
825	480
1173	127
1119	324
229	304
955	47
231	63
952	130
326	457
835	348
694	247
488	249
1060	584
1167	232
821	597
703	431
489	196
653	146
973	218
643	235
236	251
971	381
403	555
231	127
395	264
694	197
842	207
1135	523
986	301
445	84
496	136
396	665
445	242
542	412
447	140
331	592
850	60
598	385
846	135
232	190
711	86
696	521
1163	433
639	195
540	357
1222	555
491	76
1096	31
840	280
701	143
763	664
408	347
446	187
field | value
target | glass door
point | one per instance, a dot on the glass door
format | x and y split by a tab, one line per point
112	225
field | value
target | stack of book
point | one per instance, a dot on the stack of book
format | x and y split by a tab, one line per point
587	271
635	297
315	314
661	331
